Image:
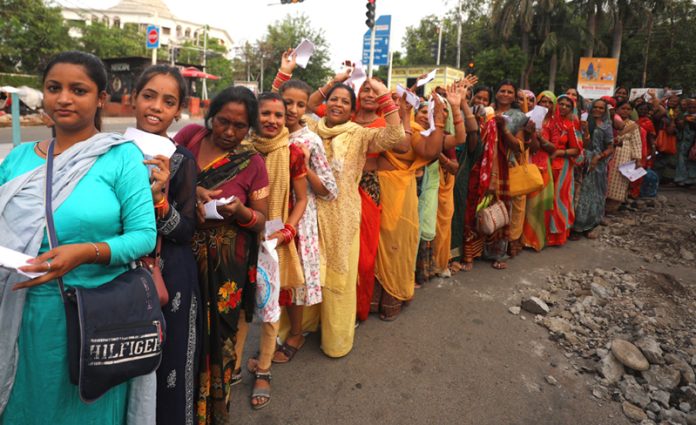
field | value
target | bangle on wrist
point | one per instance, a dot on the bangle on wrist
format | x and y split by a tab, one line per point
251	222
459	121
321	92
439	125
96	252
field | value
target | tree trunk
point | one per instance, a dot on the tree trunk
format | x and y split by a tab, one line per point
617	37
646	52
553	69
525	49
592	30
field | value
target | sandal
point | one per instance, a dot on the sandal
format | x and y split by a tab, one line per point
467	267
261	393
253	363
288	351
236	377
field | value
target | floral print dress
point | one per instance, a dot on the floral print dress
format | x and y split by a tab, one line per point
307	229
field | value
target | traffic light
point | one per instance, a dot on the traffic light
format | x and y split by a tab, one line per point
472	67
370	14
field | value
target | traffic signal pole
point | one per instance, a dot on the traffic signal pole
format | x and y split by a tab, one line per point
372	53
370	22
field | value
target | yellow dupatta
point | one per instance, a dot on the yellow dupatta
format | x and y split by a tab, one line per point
276	154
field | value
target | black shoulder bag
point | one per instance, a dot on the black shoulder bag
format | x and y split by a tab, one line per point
115	331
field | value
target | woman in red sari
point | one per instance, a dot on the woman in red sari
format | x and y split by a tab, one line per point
562	134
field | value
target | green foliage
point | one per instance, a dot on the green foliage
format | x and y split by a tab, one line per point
16	80
518	38
285	34
112	42
495	65
30	33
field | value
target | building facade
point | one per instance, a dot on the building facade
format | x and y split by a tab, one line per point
173	30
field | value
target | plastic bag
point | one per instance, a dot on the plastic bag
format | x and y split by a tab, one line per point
268	282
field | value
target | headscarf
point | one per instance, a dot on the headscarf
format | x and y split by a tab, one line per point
610	101
549	94
606	118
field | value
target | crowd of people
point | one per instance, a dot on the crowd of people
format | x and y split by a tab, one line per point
376	194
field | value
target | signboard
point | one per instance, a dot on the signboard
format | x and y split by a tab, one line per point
152	34
597	77
251	85
382	31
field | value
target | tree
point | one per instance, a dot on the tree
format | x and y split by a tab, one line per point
285	34
112	42
30	33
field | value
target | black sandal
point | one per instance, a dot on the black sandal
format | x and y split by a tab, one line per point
288	351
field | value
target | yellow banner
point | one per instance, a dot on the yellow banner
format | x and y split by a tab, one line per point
597	77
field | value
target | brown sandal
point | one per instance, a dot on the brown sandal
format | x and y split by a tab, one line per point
288	351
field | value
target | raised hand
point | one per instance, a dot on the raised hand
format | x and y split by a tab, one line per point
288	61
454	95
377	86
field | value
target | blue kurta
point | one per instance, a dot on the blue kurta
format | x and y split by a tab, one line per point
113	204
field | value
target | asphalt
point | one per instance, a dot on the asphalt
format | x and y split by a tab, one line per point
454	356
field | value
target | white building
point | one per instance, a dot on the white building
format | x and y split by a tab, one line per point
173	30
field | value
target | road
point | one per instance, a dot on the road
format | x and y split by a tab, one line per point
455	356
39	133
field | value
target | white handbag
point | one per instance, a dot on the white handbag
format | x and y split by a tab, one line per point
493	218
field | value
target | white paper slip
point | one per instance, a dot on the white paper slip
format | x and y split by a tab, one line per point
428	78
630	171
411	97
431	118
583	116
211	212
357	77
11	259
150	144
304	51
537	116
273	226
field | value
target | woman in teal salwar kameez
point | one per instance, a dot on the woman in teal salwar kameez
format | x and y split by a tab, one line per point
104	219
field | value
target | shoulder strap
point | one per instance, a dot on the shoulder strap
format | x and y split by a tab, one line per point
48	203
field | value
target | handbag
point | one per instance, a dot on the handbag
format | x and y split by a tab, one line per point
492	218
115	331
666	143
524	178
692	152
153	264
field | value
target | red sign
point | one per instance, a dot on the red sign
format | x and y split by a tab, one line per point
152	36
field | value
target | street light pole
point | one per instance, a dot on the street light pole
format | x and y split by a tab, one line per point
204	94
459	37
439	42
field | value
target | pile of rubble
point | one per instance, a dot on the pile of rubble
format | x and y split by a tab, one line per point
635	331
663	231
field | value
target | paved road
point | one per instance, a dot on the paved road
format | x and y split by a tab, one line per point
39	133
455	356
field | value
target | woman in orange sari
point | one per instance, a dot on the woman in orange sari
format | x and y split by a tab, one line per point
399	230
540	203
563	136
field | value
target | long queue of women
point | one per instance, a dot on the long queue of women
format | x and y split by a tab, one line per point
375	198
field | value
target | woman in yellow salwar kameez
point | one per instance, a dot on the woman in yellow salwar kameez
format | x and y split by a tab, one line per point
346	144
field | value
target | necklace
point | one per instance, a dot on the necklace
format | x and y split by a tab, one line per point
44	153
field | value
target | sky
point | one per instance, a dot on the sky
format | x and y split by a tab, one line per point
342	22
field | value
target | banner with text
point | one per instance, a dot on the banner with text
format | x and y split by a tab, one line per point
597	77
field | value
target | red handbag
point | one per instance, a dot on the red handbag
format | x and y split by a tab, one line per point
153	265
666	143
